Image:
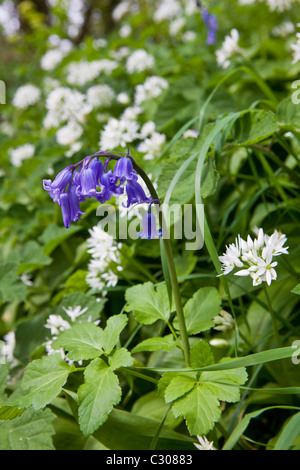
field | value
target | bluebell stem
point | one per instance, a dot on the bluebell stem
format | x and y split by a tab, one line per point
149	227
210	22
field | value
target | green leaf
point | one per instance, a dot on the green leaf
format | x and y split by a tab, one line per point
110	335
33	257
200	409
179	386
165	343
32	431
149	303
120	358
225	384
54	236
201	355
200	310
11	288
255	126
289	433
42	381
97	396
296	289
83	341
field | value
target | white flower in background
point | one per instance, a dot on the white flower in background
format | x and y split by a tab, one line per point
100	42
296	48
229	48
50	84
26	279
139	61
51	59
255	257
152	143
125	31
118	132
120	53
7	350
167	10
190	133
75	312
246	2
82	72
284	29
6	128
189	36
123	98
100	95
190	7
56	324
121	10
69	133
19	154
176	26
26	96
131	113
9	19
151	88
224	321
204	444
64	104
280	5
104	251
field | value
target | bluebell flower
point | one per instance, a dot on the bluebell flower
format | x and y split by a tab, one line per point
149	227
74	200
59	184
124	169
65	209
210	22
136	194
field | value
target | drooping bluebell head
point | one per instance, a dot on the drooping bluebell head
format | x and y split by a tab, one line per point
149	227
210	21
65	209
56	187
136	194
124	169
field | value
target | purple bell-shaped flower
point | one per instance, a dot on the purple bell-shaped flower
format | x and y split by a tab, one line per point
149	227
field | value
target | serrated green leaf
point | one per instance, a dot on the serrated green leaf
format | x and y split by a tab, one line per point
32	431
148	302
110	335
200	409
165	343
255	126
200	310
42	381
225	384
32	257
201	355
83	341
120	358
97	396
179	386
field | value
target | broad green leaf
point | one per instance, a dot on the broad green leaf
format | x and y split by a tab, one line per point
255	126
32	257
179	386
200	310
120	358
42	381
97	396
93	307
155	344
296	289
200	409
30	334
289	434
82	341
124	430
148	302
54	236
110	335
11	287
154	407
225	384
32	431
201	355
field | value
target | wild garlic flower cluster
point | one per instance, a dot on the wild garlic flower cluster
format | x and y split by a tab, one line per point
255	258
